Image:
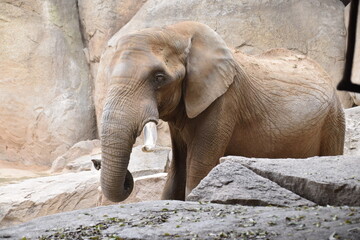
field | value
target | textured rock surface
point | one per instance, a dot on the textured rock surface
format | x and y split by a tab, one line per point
45	91
186	220
232	183
355	78
324	180
314	28
352	135
48	195
101	19
146	188
77	158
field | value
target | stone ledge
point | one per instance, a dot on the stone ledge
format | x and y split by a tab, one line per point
187	220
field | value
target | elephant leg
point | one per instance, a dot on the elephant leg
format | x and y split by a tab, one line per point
333	134
208	146
175	184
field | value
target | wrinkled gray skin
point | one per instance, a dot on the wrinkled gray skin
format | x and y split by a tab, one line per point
216	102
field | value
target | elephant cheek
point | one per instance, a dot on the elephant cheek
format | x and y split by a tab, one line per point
169	99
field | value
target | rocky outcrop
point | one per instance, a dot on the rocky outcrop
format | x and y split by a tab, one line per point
232	183
329	180
314	28
23	201
46	103
37	197
189	220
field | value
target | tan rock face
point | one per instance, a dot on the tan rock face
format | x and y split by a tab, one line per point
101	19
314	28
45	91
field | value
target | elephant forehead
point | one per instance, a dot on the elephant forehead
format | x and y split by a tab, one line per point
154	40
136	68
123	69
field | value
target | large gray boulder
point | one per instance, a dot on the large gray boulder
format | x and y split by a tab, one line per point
46	101
333	180
232	183
190	220
314	28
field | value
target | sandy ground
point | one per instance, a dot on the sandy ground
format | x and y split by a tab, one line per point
12	172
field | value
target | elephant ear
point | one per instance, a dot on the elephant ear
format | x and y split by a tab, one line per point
211	69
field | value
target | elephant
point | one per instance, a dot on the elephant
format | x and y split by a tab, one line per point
217	102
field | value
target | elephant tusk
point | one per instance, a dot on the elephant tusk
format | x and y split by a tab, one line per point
150	137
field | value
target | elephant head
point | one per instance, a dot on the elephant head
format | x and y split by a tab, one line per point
158	73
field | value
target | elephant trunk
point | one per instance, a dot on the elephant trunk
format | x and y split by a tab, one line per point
122	122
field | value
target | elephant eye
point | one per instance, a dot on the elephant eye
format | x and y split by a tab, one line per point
159	77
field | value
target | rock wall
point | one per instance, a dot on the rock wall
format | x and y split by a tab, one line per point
45	92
